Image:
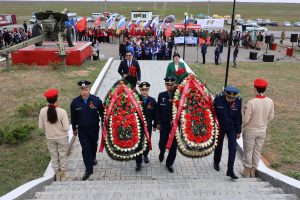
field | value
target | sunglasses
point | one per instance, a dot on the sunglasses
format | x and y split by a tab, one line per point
128	55
169	84
144	89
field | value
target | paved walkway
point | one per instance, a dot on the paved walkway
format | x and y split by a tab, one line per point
192	179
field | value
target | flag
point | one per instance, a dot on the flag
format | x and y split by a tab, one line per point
145	25
111	22
138	21
142	25
81	24
97	22
132	31
161	26
168	32
154	25
186	20
129	24
121	24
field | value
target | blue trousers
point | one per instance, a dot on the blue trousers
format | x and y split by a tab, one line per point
231	135
88	140
163	139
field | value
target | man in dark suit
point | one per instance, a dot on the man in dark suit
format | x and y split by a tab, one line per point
164	122
130	70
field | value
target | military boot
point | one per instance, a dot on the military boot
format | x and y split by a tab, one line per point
63	176
57	175
246	172
252	172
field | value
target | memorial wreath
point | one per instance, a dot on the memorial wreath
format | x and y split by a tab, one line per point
125	135
195	125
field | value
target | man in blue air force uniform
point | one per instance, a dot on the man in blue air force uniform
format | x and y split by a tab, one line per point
164	122
149	106
86	111
228	109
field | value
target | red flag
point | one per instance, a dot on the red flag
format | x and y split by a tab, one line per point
97	22
80	25
132	31
168	31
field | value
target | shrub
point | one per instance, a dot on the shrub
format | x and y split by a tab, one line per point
16	134
31	109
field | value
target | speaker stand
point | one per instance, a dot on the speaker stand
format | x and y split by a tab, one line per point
265	52
292	56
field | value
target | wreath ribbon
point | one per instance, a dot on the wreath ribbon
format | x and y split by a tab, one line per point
138	109
180	107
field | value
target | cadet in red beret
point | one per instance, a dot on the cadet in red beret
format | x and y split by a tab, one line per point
258	113
56	124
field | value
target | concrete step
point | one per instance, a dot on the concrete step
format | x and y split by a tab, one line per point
149	189
163	194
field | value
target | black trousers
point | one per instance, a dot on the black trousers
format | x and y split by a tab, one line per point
139	159
88	140
203	57
217	60
163	139
231	135
132	81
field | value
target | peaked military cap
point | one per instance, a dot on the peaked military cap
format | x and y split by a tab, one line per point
231	91
84	83
169	80
144	85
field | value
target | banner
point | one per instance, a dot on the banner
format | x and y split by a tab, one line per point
188	40
211	23
188	26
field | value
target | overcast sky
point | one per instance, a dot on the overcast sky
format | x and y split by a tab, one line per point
257	1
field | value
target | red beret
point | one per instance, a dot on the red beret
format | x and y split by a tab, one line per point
260	83
51	93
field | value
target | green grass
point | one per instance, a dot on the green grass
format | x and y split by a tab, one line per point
281	149
22	87
279	12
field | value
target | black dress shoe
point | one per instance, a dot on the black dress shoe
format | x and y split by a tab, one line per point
232	175
161	157
95	161
170	169
146	159
216	166
138	167
86	176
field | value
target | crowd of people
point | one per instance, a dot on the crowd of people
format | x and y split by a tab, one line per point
14	36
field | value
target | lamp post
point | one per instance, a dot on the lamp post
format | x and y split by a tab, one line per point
208	8
230	43
183	56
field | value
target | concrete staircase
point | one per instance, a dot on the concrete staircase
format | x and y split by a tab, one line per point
193	189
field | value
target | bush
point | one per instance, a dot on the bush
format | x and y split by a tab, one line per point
31	109
16	134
